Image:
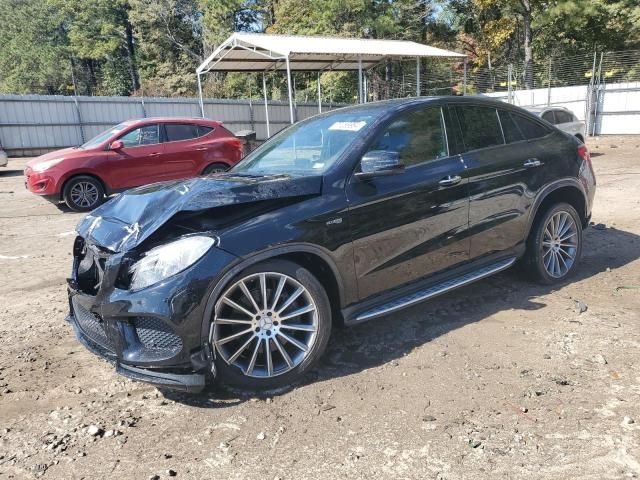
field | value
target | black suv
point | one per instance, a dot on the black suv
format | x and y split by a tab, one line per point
341	218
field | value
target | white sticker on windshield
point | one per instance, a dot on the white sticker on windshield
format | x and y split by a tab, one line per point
348	126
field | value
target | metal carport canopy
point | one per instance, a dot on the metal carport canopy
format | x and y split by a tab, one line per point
261	52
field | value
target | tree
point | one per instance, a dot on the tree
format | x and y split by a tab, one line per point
100	42
33	49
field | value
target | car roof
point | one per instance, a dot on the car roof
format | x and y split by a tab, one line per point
544	109
397	104
194	120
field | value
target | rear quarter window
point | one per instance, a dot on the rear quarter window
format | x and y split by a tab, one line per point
529	128
204	130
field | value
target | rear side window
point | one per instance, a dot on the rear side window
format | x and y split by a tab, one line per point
203	130
529	128
480	127
509	128
548	116
418	136
563	117
180	131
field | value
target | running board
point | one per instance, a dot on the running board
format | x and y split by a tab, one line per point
435	290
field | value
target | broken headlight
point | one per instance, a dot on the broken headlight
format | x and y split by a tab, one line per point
166	260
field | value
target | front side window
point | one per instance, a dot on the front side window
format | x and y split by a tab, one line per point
548	116
563	117
312	146
480	127
147	135
418	136
180	131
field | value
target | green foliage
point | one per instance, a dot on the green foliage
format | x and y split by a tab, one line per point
33	49
152	47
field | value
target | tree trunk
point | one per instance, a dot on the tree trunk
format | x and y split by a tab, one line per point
91	83
131	58
528	44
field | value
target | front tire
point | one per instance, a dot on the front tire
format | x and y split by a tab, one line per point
554	246
270	325
83	193
215	168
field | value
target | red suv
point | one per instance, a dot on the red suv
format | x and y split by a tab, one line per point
133	153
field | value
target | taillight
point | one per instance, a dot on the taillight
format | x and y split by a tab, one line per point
239	145
583	153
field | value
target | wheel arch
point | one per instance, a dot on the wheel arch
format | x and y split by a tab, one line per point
73	175
217	161
312	257
567	190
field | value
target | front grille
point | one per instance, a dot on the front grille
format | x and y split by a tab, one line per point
91	325
155	334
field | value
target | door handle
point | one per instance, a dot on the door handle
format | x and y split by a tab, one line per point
533	162
201	149
450	180
154	154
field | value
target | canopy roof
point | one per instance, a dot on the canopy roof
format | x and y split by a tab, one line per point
259	52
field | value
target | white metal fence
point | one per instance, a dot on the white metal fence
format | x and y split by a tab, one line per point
601	88
33	124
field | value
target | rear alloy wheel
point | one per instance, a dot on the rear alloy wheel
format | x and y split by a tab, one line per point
555	244
83	193
215	168
270	326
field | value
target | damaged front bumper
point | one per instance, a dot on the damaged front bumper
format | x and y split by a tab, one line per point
156	335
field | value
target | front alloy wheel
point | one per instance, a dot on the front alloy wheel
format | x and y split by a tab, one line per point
83	193
270	325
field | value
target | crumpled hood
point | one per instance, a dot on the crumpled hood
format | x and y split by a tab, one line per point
128	219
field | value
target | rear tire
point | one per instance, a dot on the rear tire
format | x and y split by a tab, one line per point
278	346
215	168
554	246
83	193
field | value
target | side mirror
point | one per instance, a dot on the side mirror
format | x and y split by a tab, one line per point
117	145
378	163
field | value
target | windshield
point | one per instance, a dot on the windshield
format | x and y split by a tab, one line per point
309	147
98	139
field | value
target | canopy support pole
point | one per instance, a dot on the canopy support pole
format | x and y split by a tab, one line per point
289	89
464	84
266	105
319	95
417	76
366	88
200	93
360	96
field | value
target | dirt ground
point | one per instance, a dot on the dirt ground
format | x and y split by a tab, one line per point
501	379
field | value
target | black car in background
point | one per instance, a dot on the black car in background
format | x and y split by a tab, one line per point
345	217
